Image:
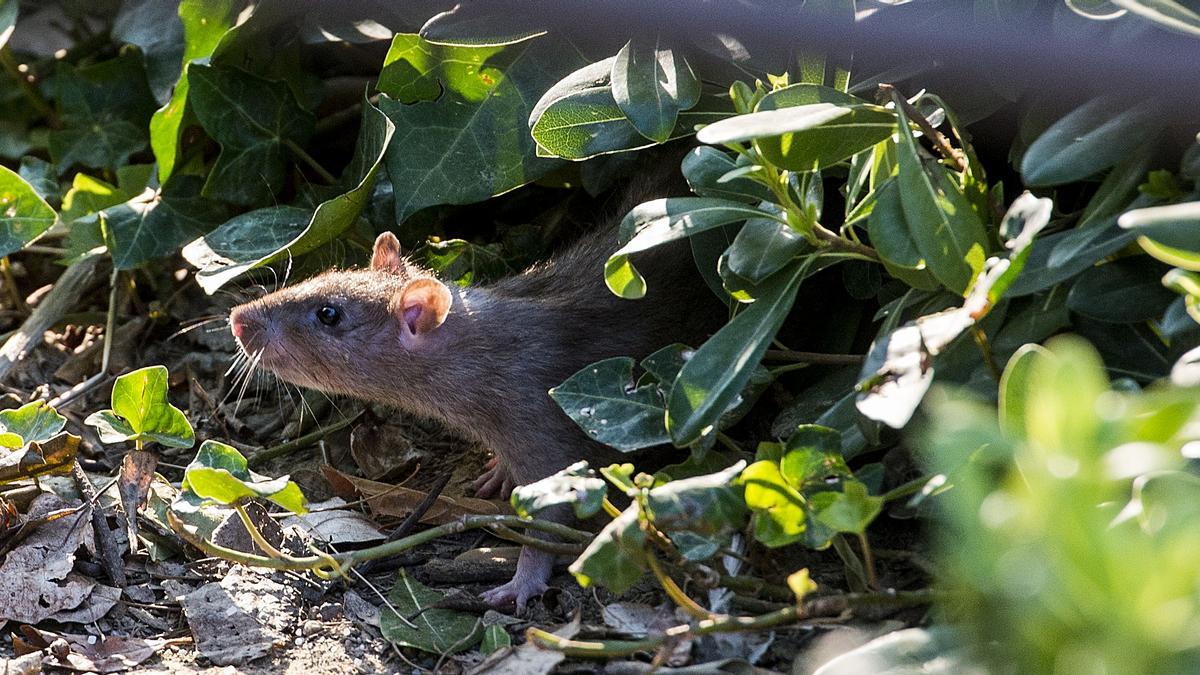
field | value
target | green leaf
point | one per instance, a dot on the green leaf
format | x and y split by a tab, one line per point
606	403
438	631
8	19
779	515
153	26
34	422
494	638
258	237
715	375
616	558
850	511
708	505
651	84
55	455
1123	291
42	177
762	248
417	70
946	229
1014	388
142	230
483	25
24	215
254	120
468	145
105	111
588	122
1091	138
1167	13
706	169
463	262
662	220
1176	226
576	485
892	238
205	22
220	474
812	454
141	412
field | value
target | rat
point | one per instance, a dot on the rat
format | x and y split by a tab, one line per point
481	358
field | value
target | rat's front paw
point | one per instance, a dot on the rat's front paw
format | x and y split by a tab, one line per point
515	593
495	481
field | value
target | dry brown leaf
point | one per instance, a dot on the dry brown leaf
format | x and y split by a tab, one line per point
56	455
36	578
242	617
90	654
137	471
397	501
527	659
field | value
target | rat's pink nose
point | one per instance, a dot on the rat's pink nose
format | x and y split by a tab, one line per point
236	327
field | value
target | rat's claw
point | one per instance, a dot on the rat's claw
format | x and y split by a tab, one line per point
515	593
494	481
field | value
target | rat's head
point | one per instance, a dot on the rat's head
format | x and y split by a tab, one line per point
336	331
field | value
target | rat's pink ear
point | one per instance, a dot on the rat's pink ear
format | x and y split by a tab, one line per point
386	254
423	306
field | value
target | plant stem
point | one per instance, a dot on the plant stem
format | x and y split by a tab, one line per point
554	547
675	592
302	442
308	159
10	285
70	395
814	358
728	442
10	65
938	138
610	508
868	561
985	347
255	535
908	489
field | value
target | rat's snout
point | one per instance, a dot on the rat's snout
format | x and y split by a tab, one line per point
245	328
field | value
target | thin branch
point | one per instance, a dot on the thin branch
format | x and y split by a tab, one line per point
814	358
939	139
302	442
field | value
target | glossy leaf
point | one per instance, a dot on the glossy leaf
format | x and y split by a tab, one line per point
943	225
253	119
220	474
466	145
779	515
651	84
34	422
714	377
155	28
24	215
141	412
607	404
706	170
657	222
8	19
142	230
763	247
55	455
576	485
106	109
616	557
1123	291
1091	138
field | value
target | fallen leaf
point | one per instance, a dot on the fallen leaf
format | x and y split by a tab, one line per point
242	617
56	455
36	578
527	659
381	450
137	471
88	654
397	501
327	523
439	631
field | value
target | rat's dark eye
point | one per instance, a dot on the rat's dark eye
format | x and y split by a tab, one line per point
329	315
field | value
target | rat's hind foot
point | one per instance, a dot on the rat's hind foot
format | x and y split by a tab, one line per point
495	481
514	594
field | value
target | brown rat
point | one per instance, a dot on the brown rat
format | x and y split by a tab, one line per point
482	358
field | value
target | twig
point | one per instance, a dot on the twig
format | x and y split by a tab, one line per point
554	547
308	159
302	442
939	139
833	242
64	295
71	395
413	518
110	555
813	357
985	347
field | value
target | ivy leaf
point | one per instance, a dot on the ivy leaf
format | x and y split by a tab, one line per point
438	631
463	262
651	84
205	22
105	109
258	237
494	24
254	120
141	412
779	516
850	510
142	230
576	485
616	558
605	402
34	422
153	26
24	215
220	474
463	147
55	455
